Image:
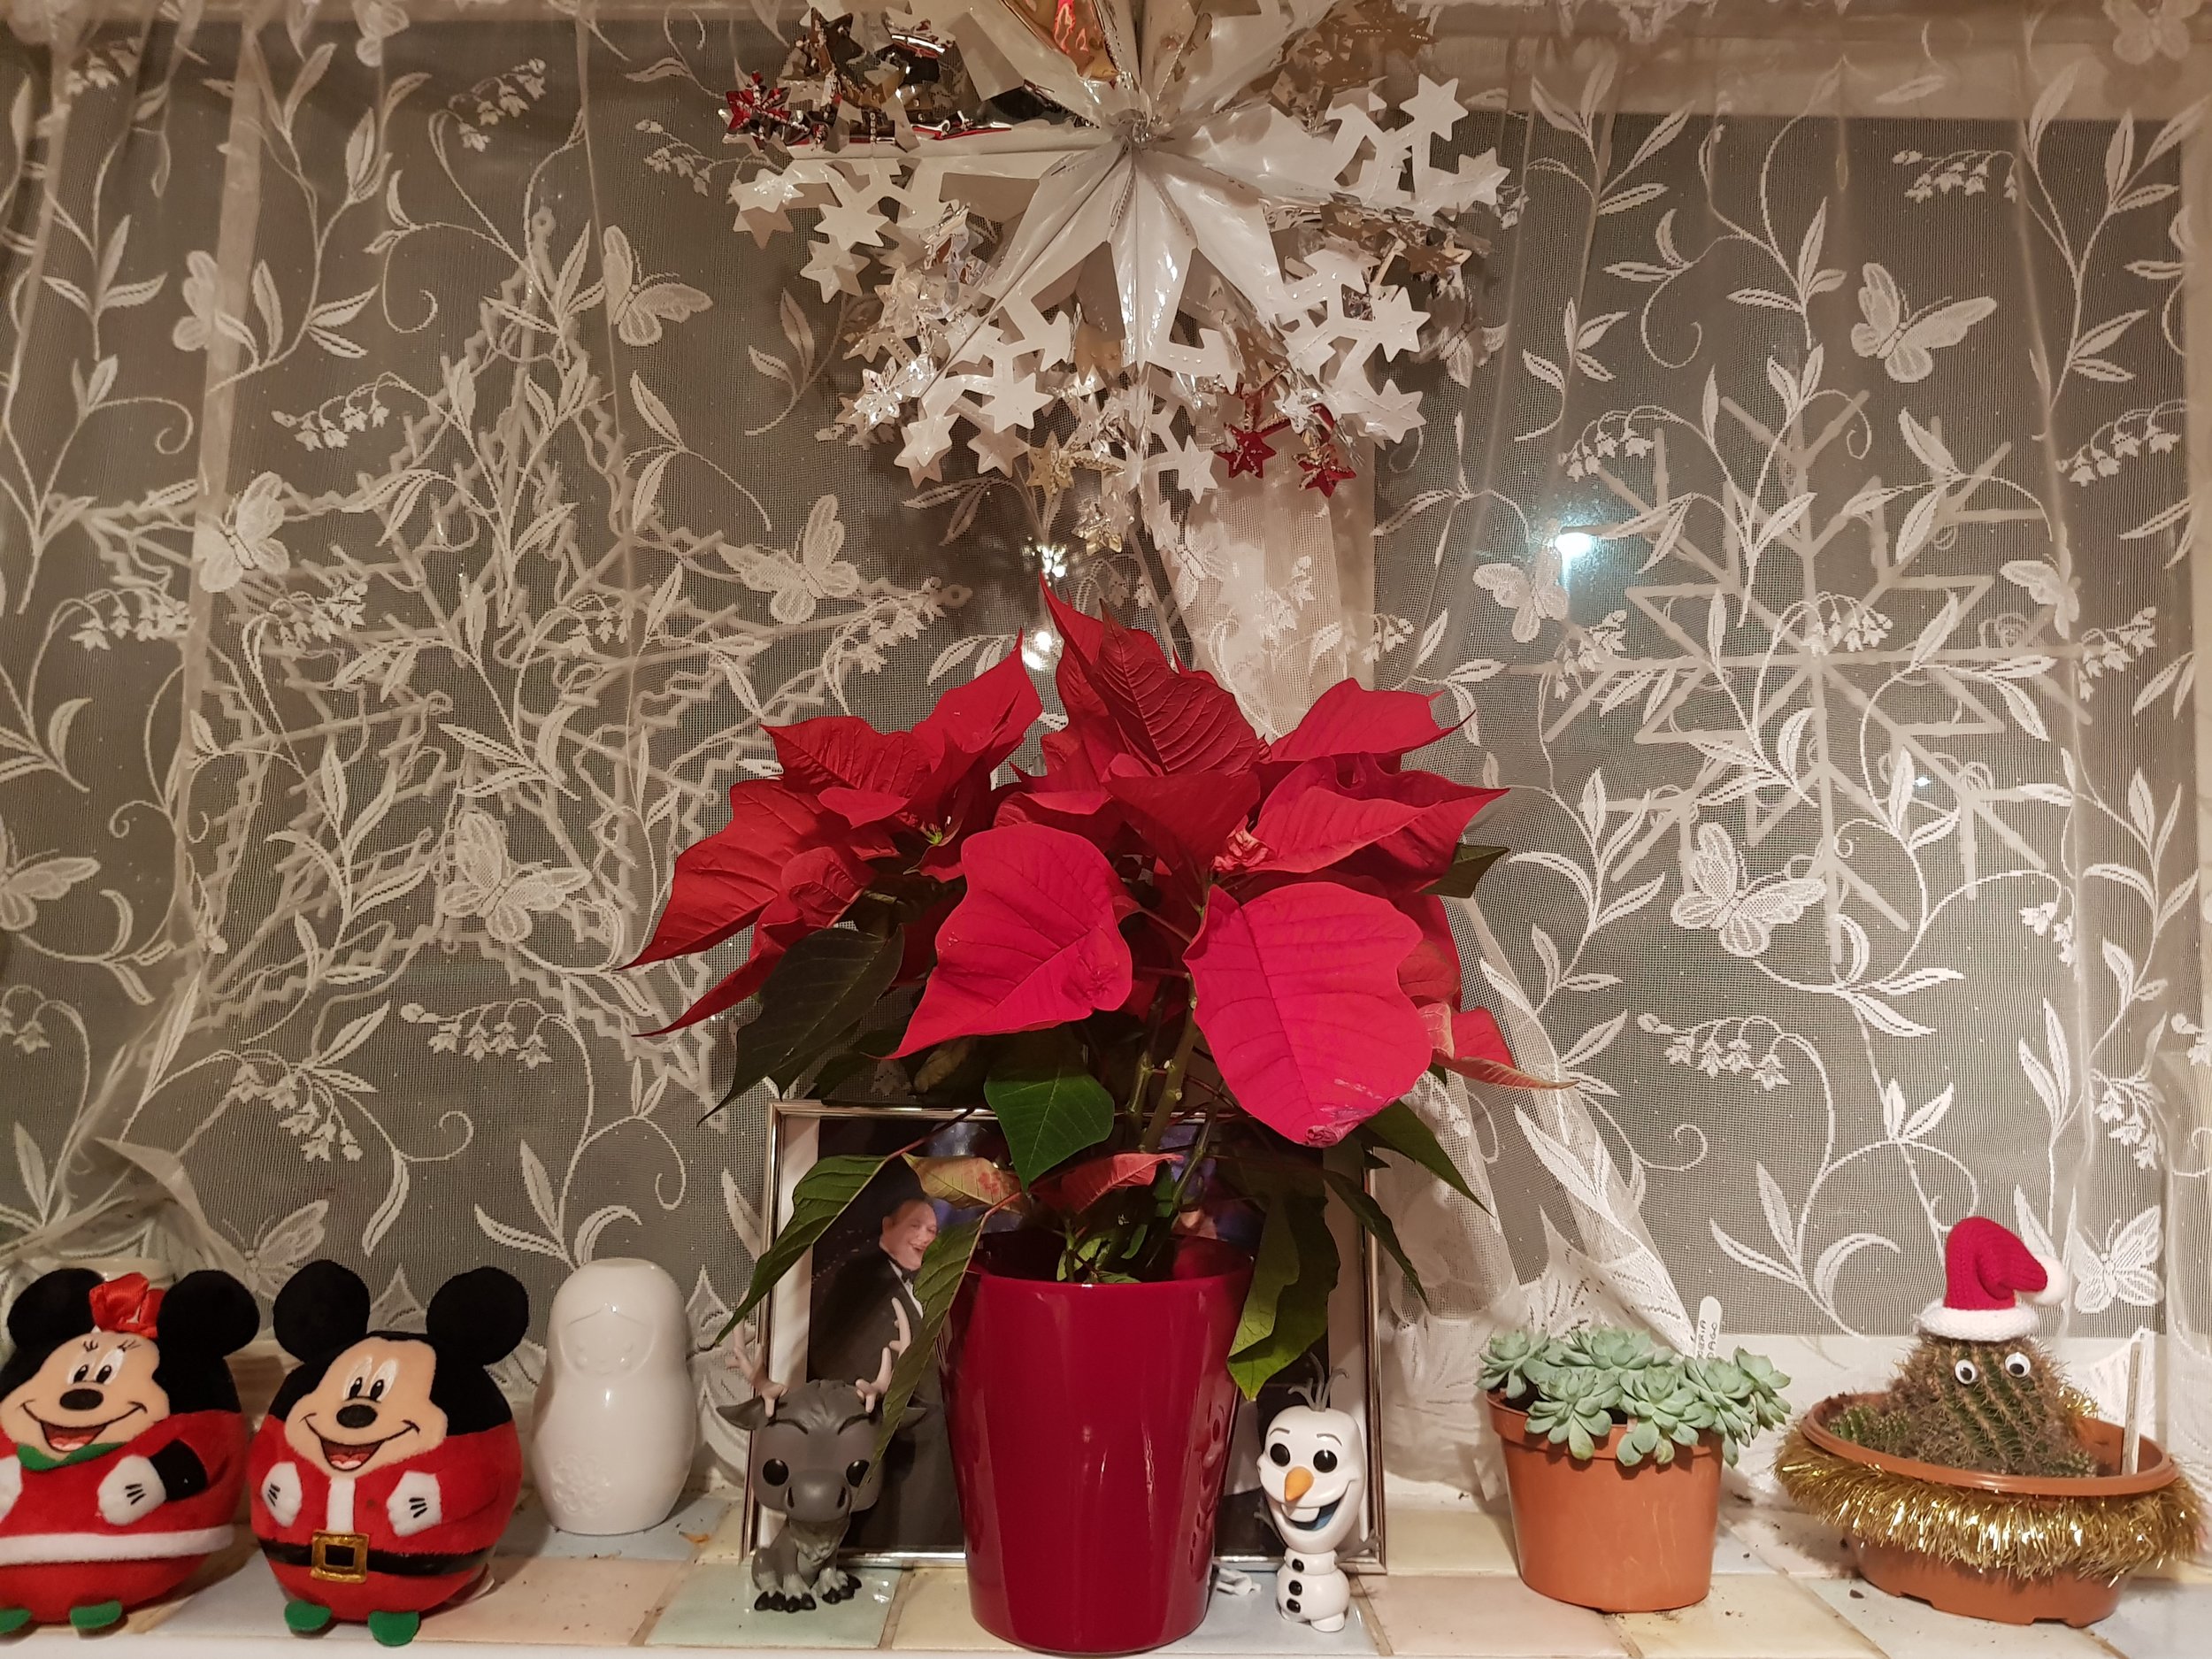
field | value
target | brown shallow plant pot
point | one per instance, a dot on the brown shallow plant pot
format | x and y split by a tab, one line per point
1637	1538
2013	1549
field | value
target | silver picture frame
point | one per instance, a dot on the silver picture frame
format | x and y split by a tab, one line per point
796	1131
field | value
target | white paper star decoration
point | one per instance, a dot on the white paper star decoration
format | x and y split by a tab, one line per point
1218	232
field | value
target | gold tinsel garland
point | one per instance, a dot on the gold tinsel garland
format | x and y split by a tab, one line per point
2027	1537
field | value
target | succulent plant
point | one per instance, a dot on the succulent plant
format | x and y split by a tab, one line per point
1575	1407
1577	1388
1506	1362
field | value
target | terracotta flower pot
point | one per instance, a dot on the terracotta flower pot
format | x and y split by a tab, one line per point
1620	1539
2014	1549
1090	1432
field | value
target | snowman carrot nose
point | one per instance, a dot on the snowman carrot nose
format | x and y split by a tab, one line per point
1296	1483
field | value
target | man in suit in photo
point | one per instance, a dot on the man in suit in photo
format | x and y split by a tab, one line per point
852	1324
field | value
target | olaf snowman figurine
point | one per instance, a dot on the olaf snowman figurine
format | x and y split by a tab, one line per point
1313	1472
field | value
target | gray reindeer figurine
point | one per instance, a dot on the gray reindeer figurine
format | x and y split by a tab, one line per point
813	1461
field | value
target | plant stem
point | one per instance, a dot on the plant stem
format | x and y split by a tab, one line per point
1171	1081
1190	1166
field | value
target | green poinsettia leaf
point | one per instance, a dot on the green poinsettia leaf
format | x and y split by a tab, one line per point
1300	1306
1398	1128
811	1006
1469	864
822	1194
1370	1217
936	1284
1047	1102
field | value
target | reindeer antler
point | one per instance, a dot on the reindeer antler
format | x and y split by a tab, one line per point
755	1365
871	1392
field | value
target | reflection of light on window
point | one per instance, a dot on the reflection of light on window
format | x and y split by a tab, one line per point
1052	558
1921	783
1039	646
1572	544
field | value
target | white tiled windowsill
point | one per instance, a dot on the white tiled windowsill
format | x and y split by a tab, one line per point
1781	1590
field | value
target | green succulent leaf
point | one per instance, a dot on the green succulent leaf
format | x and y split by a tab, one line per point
1642	1442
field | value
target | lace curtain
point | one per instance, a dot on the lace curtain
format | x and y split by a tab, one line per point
411	509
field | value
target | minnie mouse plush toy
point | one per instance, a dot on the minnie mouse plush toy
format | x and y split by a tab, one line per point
122	1452
389	1465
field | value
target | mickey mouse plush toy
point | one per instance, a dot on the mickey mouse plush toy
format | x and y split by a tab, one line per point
389	1465
122	1451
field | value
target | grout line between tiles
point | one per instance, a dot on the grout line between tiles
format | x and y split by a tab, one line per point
1375	1632
899	1594
651	1621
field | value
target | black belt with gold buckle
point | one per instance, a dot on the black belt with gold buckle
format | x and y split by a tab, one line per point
346	1558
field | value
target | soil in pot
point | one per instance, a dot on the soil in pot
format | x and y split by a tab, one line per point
2014	1549
1622	1539
1090	1434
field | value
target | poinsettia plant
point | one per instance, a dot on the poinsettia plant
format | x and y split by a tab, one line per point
1188	971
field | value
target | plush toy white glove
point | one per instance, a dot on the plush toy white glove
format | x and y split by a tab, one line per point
414	1506
132	1491
280	1494
10	1484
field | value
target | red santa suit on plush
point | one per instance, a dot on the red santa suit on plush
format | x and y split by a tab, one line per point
430	1522
103	1525
92	1529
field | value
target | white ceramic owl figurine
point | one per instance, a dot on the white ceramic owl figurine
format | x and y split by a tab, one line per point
1313	1471
616	1424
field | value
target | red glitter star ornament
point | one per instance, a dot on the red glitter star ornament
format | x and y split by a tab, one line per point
760	110
1250	451
1324	469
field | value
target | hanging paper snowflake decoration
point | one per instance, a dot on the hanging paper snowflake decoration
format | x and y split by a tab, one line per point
1118	239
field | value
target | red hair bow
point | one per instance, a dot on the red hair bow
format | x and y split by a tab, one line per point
128	1305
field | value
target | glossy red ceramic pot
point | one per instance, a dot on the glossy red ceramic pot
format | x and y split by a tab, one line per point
1090	1434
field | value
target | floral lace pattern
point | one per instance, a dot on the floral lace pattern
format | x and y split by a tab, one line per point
410	511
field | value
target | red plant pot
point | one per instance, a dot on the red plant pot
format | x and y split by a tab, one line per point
1090	1432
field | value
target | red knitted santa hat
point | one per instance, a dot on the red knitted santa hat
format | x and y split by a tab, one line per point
1986	1271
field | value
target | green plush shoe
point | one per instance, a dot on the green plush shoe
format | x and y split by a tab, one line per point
304	1618
99	1616
395	1630
13	1619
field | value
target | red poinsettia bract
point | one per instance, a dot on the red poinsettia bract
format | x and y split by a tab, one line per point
1277	894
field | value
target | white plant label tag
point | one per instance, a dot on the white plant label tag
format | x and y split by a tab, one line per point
1707	1327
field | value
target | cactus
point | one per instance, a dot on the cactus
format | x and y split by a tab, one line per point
1999	1407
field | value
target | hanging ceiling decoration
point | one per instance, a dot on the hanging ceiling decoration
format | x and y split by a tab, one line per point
1116	240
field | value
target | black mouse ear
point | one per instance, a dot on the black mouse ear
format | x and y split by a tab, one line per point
322	1310
207	1310
52	1309
479	1316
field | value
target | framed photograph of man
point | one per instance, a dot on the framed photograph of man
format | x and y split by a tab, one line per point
833	1314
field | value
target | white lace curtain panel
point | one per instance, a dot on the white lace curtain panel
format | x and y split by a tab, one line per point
1806	539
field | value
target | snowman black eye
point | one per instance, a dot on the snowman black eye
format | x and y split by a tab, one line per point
1967	1372
1324	1461
2017	1364
1278	1454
